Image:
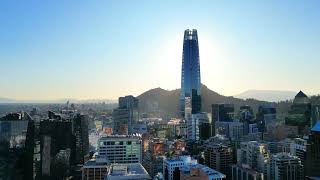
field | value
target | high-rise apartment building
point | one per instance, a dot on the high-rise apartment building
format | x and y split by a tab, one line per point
219	156
298	147
242	172
253	154
285	166
190	73
315	114
153	156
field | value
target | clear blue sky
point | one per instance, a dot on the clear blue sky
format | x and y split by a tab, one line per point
105	49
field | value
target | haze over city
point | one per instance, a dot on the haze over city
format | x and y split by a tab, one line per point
107	49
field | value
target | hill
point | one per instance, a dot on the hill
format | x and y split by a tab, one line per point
162	101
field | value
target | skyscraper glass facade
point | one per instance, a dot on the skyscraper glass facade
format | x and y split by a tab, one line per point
190	74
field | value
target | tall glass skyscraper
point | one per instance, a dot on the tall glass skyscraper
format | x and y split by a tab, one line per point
190	74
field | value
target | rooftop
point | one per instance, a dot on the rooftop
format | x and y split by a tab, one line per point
121	136
190	34
284	157
19	116
301	94
127	171
94	163
208	171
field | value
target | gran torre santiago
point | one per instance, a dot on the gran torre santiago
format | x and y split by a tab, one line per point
190	74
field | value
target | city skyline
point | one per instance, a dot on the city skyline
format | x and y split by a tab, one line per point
107	49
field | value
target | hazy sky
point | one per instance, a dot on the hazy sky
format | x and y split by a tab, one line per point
105	49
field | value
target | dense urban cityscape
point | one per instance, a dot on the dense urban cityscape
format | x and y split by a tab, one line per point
132	139
159	90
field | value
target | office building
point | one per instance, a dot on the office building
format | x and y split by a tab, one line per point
199	128
247	118
299	114
13	128
13	132
221	113
233	129
179	127
120	121
57	145
80	131
190	72
120	149
266	115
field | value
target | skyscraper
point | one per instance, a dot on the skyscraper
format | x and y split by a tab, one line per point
190	74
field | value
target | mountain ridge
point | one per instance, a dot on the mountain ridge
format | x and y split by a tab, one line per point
267	95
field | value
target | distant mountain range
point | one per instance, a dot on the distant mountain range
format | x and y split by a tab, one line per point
267	95
58	101
167	102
